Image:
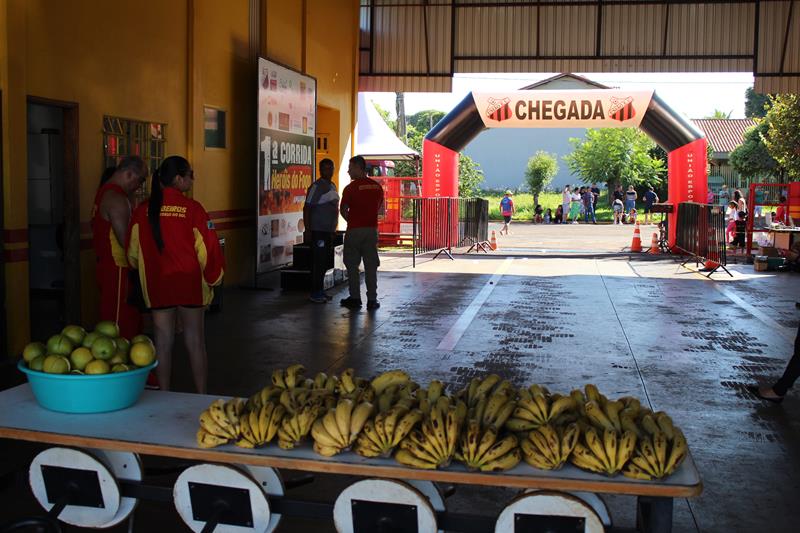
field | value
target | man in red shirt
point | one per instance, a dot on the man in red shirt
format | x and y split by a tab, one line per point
111	216
361	200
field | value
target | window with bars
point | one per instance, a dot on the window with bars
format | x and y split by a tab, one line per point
122	136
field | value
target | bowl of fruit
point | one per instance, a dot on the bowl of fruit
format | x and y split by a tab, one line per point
96	372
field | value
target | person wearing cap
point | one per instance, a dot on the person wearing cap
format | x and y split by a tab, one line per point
507	210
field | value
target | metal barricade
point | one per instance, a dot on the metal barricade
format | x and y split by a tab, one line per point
442	224
701	235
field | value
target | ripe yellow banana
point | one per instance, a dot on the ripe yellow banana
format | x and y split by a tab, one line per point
597	417
648	452
641	463
487	384
610	447
365	449
499	449
326	451
649	424
321	435
533	456
505	462
635	472
612	411
541	444
582	457
405	457
332	427
217	412
210	425
435	389
660	447
293	375
677	453
665	424
346	383
519	425
358	418
472	391
592	393
625	448
387	379
344	412
208	440
275	421
278	378
595	444
405	425
560	406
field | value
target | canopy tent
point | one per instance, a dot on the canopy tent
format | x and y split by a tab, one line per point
376	140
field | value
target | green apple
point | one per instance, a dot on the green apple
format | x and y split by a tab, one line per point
59	345
37	363
141	338
33	350
80	357
74	333
120	368
89	339
123	345
97	366
104	348
107	328
118	359
56	364
142	354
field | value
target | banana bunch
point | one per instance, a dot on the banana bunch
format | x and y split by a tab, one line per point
428	397
480	388
264	396
434	444
324	381
339	427
603	451
295	399
537	407
381	435
220	423
396	395
290	378
495	409
354	388
479	449
389	378
661	450
259	426
549	448
295	427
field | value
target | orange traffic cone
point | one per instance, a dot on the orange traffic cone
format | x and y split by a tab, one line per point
654	245
636	244
712	262
493	242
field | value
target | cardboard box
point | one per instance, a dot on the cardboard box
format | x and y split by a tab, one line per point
769	251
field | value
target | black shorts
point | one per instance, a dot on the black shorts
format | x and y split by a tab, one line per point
506	218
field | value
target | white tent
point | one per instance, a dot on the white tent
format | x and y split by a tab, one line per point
376	140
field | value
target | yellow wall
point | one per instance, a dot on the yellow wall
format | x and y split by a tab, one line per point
163	61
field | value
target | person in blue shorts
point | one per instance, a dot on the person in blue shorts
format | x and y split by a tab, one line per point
650	198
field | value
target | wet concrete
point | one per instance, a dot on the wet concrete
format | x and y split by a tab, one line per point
680	342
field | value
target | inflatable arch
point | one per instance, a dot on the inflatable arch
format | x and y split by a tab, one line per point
601	108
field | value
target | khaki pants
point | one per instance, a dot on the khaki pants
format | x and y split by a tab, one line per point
362	243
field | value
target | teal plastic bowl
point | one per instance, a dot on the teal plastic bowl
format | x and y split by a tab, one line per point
71	393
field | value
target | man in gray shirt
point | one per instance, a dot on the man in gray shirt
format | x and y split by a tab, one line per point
320	217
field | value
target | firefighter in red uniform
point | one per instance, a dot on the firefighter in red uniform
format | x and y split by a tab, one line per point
174	246
111	217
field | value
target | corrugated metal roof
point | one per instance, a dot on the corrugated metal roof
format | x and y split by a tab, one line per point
724	134
408	44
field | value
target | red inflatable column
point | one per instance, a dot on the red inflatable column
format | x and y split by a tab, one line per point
439	180
687	179
439	170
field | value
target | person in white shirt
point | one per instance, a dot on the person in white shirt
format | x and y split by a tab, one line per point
732	214
566	198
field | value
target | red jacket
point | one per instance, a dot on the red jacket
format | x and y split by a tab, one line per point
191	262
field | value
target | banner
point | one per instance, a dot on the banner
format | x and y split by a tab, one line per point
687	179
602	108
439	170
287	102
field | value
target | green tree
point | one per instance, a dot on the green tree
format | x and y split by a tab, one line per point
615	157
539	172
470	177
782	137
755	104
752	158
387	118
718	113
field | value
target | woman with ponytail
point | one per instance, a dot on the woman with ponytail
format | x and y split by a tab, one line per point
174	246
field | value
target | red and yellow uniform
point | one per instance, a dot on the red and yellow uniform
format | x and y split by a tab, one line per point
112	270
191	262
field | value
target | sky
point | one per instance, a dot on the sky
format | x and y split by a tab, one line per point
695	95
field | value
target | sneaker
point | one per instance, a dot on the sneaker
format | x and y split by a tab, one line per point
318	298
373	304
350	303
152	382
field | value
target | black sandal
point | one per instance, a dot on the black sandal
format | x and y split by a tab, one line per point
754	390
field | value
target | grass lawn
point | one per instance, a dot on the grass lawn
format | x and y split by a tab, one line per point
523	204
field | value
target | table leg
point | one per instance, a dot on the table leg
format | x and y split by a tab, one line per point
654	515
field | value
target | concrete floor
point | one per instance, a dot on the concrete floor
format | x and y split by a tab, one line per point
683	343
